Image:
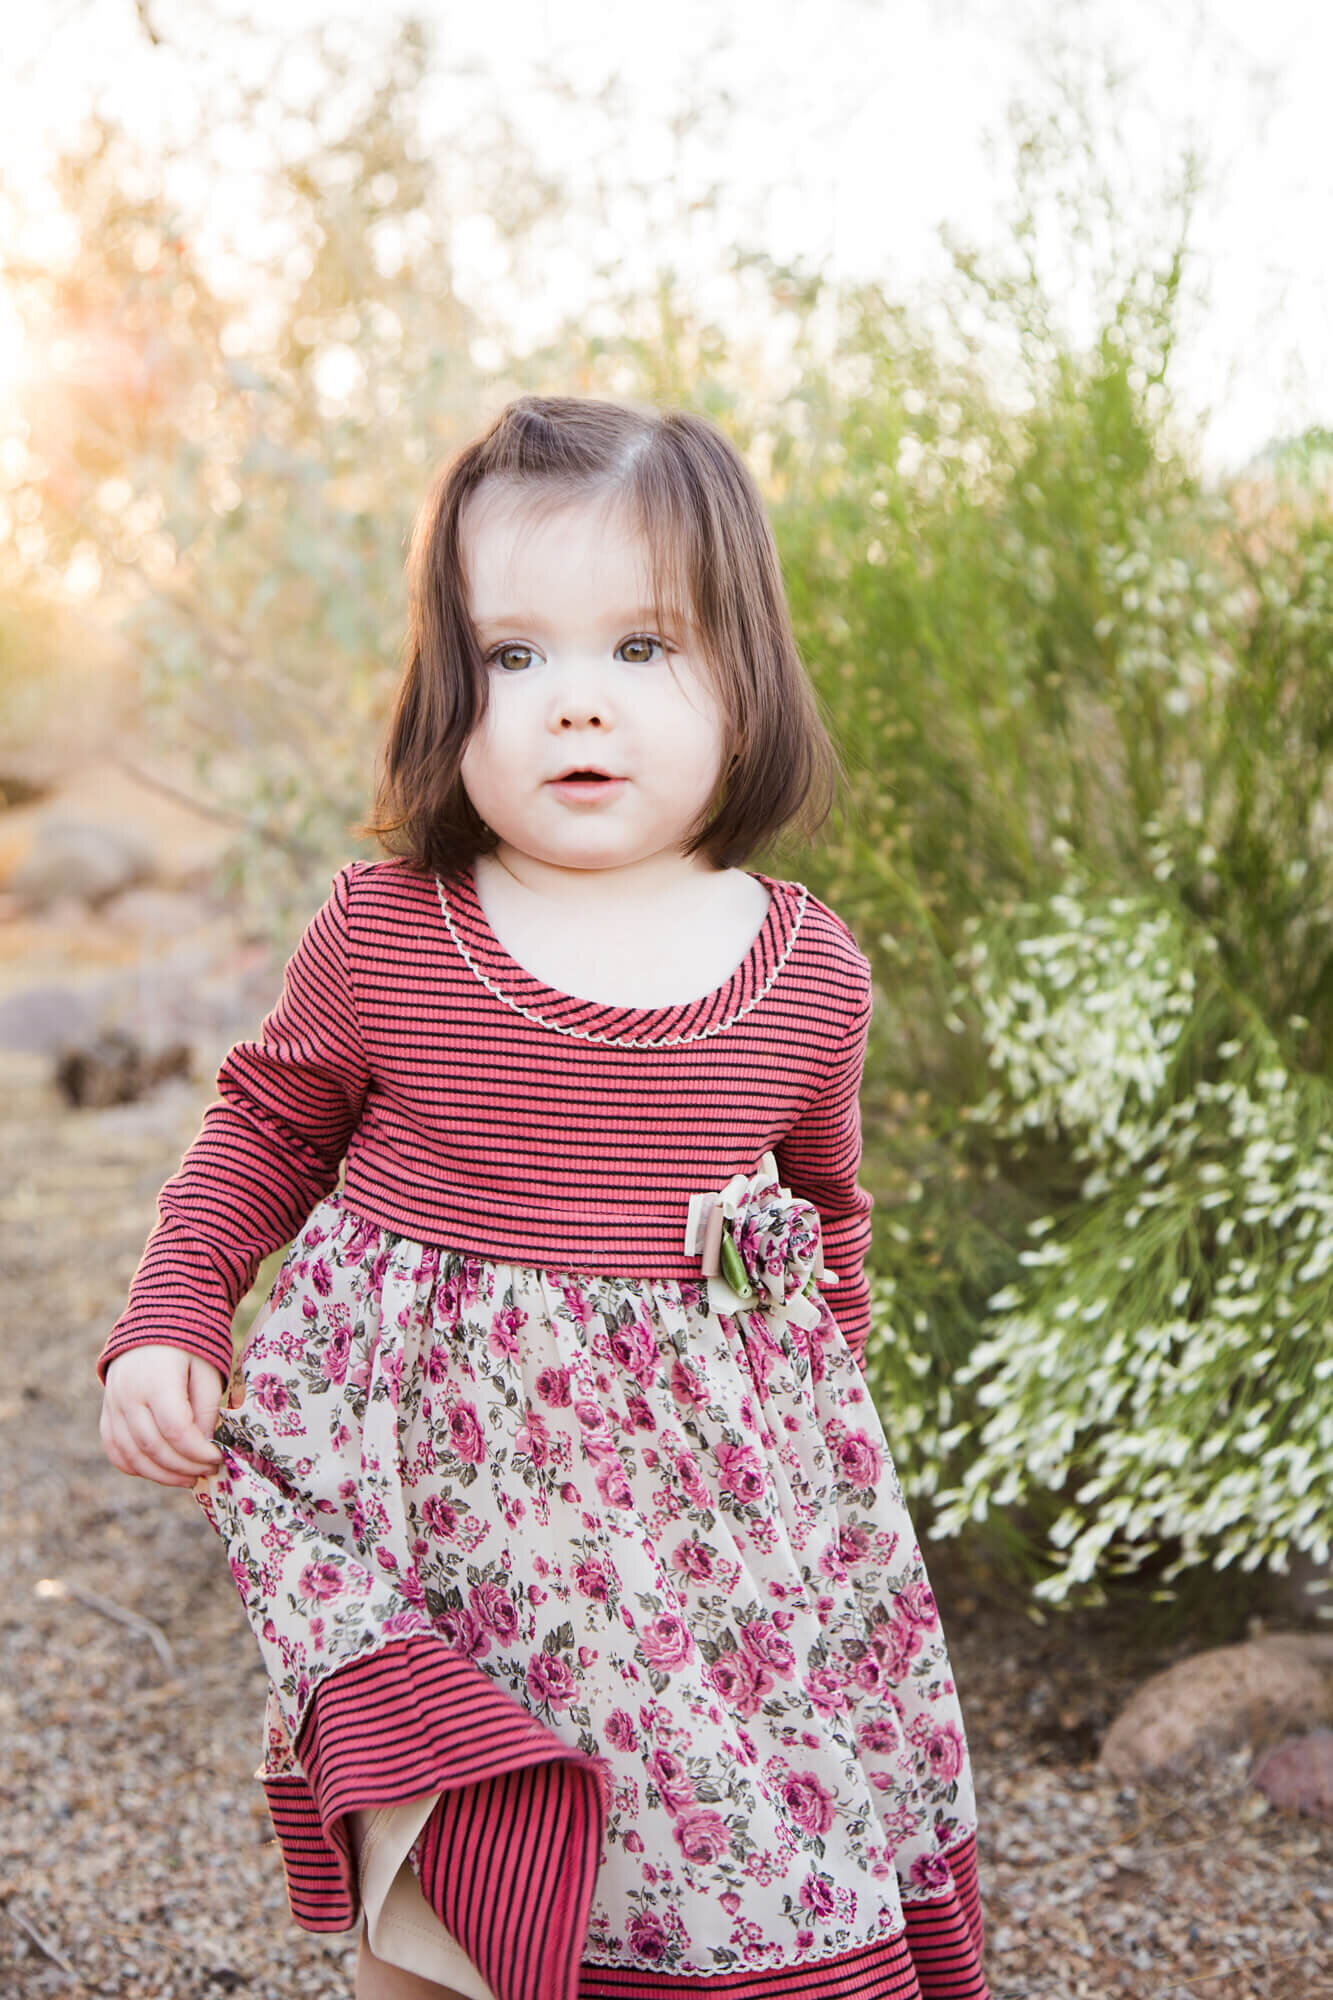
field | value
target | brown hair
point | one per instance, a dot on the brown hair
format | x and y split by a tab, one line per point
712	553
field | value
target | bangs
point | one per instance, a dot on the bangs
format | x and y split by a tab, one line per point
654	518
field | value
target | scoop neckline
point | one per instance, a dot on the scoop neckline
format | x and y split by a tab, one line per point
599	1020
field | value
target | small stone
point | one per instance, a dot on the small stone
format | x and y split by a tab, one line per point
1298	1775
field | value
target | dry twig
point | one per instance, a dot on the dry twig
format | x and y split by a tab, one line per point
47	1950
56	1586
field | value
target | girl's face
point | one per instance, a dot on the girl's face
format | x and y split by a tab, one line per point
603	739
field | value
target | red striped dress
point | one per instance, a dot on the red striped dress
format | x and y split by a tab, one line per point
602	1563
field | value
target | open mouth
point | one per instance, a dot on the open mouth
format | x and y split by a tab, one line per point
583	783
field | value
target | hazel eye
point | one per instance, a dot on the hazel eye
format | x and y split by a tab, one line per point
641	639
500	658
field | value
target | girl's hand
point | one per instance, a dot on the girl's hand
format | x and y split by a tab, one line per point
159	1407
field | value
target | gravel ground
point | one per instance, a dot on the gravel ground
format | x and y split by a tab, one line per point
136	1857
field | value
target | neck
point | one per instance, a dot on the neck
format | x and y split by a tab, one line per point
654	877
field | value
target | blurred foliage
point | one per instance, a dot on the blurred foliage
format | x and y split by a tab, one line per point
1084	700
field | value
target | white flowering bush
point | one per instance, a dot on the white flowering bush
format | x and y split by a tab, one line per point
1162	1371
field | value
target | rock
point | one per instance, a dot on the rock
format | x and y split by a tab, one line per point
79	858
183	842
45	1018
160	912
116	1070
1298	1775
1218	1701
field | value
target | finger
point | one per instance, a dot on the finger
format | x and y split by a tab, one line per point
129	1459
205	1391
152	1443
172	1412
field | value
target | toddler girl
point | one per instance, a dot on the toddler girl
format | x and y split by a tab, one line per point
601	1656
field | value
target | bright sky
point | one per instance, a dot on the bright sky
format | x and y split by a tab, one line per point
856	128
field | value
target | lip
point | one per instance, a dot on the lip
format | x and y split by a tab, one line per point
586	790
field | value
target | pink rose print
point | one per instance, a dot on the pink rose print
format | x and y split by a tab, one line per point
635	1348
620	1731
693	1558
591	1580
671	1779
402	1622
465	1434
882	1734
392	1369
897	1641
860	1459
440	1517
633	1842
817	1893
944	1753
741	1471
463	1630
685	1384
868	1674
691	1479
591	1415
701	1834
639	1414
578	1304
553	1386
494	1608
336	1351
809	1804
931	1871
918	1601
666	1642
741	1680
611	1482
647	1936
270	1392
505	1324
321	1277
551	1679
534	1438
824	1685
362	1236
762	1640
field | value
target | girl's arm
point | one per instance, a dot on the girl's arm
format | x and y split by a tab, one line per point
269	1148
819	1160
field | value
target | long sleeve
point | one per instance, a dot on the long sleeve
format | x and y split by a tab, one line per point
270	1147
819	1160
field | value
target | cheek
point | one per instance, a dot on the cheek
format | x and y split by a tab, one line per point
478	768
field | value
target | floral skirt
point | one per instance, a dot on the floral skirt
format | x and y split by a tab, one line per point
628	1588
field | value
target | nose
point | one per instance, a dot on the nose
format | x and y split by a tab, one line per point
581	700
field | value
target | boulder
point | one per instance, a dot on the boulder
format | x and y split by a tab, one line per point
1298	1775
72	858
1219	1701
116	1069
45	1018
